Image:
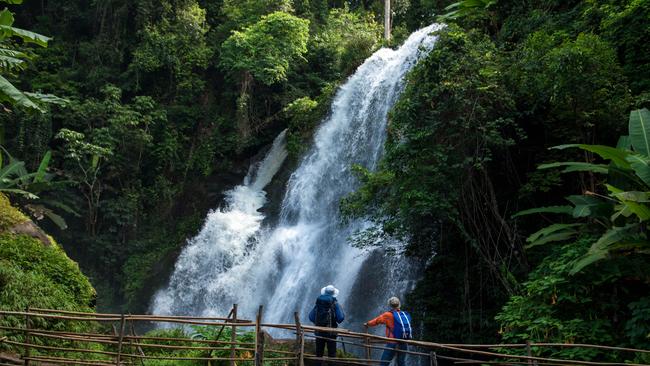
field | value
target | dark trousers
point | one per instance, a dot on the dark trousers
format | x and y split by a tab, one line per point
389	354
329	340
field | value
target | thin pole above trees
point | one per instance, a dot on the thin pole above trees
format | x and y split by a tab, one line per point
387	20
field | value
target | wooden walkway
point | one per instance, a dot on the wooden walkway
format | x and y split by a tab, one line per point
43	337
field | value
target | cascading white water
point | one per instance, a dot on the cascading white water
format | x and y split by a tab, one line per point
223	240
236	260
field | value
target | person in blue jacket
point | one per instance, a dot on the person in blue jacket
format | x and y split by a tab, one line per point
326	313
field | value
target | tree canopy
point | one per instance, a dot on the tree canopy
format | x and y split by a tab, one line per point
267	48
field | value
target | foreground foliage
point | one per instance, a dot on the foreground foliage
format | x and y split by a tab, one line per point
603	304
593	290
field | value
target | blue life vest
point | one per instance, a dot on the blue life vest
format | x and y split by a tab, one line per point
402	328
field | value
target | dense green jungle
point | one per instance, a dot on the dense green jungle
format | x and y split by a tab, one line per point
517	158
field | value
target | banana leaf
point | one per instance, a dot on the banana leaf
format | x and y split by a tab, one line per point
641	166
617	156
548	209
555	232
589	206
639	127
576	166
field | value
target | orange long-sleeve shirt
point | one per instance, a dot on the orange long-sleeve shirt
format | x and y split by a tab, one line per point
388	320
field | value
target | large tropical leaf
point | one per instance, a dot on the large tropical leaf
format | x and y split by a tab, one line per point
613	238
463	8
639	126
635	205
9	93
624	143
27	36
58	204
6	17
625	179
617	156
590	206
42	168
8	172
576	166
634	196
47	98
561	235
40	212
8	30
19	192
641	166
548	209
555	232
591	257
11	60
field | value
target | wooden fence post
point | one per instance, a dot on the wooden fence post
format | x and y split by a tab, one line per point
27	337
233	335
529	351
259	339
368	350
118	359
134	335
300	342
433	358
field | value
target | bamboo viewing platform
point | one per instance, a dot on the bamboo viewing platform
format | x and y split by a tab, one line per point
117	343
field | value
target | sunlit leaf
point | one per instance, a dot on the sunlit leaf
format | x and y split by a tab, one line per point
26	35
585	206
551	230
40	172
617	156
549	209
576	166
9	93
639	127
641	166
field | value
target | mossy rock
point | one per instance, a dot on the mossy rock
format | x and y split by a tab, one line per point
9	215
56	274
34	270
39	276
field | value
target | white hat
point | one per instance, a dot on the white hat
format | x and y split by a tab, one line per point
329	290
394	302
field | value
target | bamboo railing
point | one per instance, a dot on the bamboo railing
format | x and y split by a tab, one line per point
121	346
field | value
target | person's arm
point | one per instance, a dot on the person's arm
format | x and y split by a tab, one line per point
340	315
312	315
378	320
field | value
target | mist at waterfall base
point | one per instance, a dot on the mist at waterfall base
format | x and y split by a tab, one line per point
238	259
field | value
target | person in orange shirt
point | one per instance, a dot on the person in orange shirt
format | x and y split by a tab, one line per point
388	319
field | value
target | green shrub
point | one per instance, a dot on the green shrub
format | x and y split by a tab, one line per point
589	307
34	275
30	256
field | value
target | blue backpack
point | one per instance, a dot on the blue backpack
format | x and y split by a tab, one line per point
402	328
325	312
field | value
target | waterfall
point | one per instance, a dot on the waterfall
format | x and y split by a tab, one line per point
235	259
223	241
